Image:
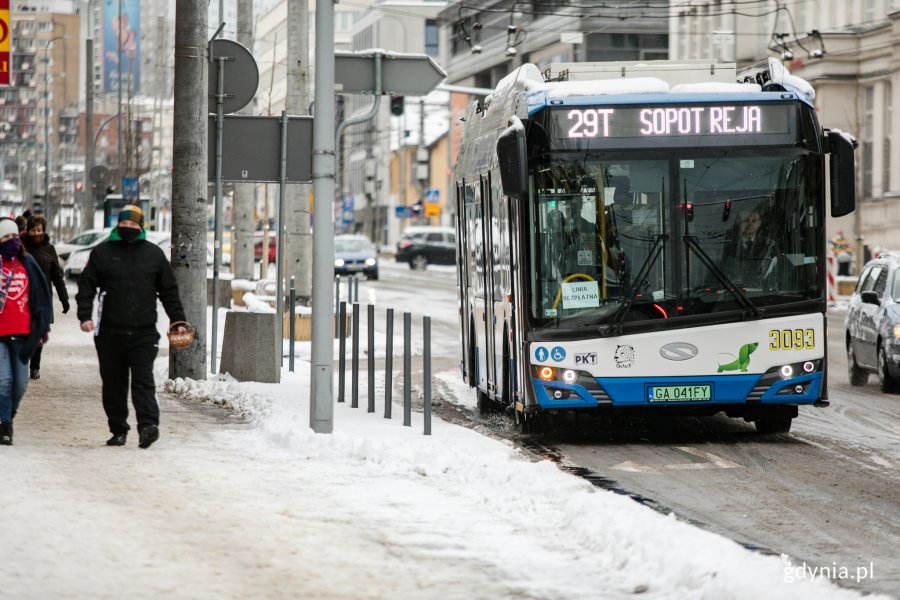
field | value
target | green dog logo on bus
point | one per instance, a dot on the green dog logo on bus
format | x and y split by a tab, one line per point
742	362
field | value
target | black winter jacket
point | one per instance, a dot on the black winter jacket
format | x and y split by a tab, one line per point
45	254
129	276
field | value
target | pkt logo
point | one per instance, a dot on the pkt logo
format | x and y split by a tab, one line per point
586	358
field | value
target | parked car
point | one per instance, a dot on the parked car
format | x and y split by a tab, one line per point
258	245
423	246
355	254
78	260
85	239
873	324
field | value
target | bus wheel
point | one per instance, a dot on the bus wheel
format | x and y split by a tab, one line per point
774	423
486	406
531	423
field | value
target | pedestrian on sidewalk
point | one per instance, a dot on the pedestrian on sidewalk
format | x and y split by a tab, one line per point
25	312
130	273
38	245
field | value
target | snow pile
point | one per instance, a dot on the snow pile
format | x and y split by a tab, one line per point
461	494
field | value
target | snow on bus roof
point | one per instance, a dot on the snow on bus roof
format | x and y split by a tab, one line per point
715	87
602	87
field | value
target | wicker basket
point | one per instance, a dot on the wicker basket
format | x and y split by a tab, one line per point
180	340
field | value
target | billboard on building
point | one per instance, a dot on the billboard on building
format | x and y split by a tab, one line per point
5	43
122	45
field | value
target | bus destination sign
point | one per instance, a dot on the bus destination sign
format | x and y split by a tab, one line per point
607	122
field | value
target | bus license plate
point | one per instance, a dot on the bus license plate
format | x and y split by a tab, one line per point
681	393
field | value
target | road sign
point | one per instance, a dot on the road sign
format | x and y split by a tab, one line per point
413	74
129	187
99	174
251	150
432	210
403	212
241	75
432	196
5	44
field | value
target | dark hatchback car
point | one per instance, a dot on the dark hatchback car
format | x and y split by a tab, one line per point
354	254
873	324
423	246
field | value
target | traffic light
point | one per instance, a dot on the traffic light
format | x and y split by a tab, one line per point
397	105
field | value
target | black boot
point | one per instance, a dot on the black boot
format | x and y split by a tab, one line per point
6	434
118	439
35	373
149	434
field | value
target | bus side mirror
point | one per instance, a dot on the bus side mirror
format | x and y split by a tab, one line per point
843	173
511	158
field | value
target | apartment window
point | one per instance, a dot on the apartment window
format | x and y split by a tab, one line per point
869	11
868	129
887	102
431	38
620	46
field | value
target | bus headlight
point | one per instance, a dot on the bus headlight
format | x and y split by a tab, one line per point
569	376
547	373
809	366
787	371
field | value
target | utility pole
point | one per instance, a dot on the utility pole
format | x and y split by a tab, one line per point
243	206
119	133
298	241
321	405
87	203
189	180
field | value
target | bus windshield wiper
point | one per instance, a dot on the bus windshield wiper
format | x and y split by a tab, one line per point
692	244
614	327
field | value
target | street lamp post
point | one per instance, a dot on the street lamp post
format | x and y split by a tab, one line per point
47	118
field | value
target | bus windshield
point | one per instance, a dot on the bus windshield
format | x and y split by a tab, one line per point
679	234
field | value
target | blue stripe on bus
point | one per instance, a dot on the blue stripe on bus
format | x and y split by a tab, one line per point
632	391
814	380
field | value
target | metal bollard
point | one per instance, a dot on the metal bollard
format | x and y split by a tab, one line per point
337	299
407	367
342	345
370	324
354	359
356	289
349	290
292	302
426	360
389	363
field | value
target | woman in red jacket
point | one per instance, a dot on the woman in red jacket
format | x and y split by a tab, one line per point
24	320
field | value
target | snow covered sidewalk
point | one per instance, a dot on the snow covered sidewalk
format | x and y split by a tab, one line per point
243	501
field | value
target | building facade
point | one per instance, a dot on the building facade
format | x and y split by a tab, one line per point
847	51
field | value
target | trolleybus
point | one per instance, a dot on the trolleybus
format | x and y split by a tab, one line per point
647	237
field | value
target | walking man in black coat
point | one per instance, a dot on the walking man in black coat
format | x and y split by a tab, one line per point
130	273
37	243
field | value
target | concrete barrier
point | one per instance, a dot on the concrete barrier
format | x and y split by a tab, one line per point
224	292
251	347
